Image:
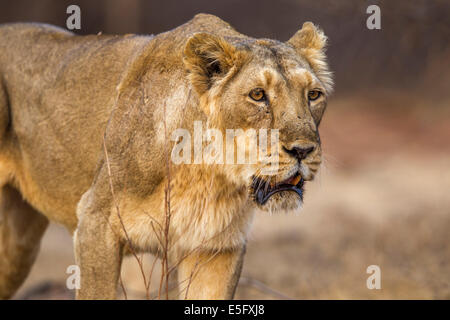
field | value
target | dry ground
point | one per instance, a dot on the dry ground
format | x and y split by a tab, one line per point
382	199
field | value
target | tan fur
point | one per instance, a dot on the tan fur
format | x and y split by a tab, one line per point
62	95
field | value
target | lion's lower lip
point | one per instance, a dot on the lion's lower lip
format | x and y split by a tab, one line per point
263	191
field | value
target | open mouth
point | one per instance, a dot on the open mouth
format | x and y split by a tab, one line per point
263	190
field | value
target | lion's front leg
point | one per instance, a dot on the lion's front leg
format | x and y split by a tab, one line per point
210	275
98	253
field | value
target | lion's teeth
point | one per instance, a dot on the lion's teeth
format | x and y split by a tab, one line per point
296	180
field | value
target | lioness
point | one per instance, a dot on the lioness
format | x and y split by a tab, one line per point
85	125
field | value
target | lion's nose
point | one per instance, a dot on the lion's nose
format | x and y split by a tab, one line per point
300	152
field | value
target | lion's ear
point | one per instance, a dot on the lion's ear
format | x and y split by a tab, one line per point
208	57
310	42
309	37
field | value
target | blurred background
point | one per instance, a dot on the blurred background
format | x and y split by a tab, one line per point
382	197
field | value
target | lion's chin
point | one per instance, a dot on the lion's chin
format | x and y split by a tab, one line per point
282	202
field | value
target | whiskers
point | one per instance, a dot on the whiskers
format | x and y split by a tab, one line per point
260	182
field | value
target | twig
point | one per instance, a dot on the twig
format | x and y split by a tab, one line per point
251	282
123	287
118	213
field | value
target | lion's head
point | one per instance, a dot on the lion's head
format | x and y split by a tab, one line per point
266	84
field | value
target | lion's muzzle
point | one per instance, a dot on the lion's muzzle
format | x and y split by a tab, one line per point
263	189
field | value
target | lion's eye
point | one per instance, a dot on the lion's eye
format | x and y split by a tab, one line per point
314	95
257	94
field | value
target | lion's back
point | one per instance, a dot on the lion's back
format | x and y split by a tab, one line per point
60	91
